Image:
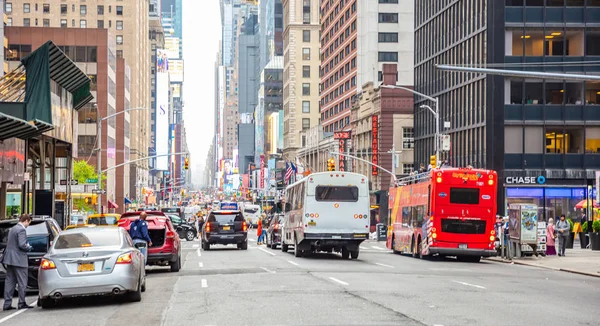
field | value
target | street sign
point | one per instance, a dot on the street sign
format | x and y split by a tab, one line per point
98	191
91	180
64	182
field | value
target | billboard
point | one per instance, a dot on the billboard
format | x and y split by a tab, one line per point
176	90
176	70
172	47
162	109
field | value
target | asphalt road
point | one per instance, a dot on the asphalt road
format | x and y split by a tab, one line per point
260	286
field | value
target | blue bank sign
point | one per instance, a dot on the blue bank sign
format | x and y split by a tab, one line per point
526	180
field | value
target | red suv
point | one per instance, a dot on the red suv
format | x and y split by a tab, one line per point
166	245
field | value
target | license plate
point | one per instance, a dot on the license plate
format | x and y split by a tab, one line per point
462	246
89	267
312	223
226	228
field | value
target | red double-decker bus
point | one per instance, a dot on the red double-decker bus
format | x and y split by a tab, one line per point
447	212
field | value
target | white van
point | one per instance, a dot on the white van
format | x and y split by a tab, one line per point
252	213
327	211
216	205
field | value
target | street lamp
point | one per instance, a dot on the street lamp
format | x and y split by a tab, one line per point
99	158
435	113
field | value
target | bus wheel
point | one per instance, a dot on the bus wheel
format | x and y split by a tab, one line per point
345	253
419	251
284	247
354	254
297	251
413	248
394	245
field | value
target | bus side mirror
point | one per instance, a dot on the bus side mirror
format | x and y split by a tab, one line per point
288	207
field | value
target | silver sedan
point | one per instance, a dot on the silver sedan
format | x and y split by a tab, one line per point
91	261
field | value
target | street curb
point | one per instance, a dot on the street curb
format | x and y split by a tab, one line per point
497	260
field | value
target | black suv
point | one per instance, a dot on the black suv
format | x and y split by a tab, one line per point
225	227
185	230
40	234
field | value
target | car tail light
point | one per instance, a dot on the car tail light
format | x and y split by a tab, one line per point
244	227
170	234
276	227
47	264
207	228
125	259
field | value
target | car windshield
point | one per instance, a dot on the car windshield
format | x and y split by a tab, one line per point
225	218
87	239
103	220
175	219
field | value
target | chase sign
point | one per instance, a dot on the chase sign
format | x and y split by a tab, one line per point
526	180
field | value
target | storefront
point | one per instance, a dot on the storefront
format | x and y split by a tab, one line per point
553	197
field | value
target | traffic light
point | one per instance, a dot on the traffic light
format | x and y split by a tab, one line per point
88	200
433	161
186	164
331	164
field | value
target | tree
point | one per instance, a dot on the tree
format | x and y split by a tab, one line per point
82	171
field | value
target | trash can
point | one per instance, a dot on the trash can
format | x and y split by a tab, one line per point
381	232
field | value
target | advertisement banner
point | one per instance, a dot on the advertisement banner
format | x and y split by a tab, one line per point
262	171
529	222
176	70
375	144
162	109
176	90
172	47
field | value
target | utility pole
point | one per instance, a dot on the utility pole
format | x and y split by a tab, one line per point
394	159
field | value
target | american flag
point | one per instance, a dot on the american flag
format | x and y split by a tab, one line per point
288	172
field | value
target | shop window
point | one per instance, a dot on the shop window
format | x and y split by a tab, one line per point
555	93
533	92
592	140
592	93
534	140
513	140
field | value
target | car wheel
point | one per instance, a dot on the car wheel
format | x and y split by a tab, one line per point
136	296
46	303
205	246
284	247
144	285
176	265
244	245
189	235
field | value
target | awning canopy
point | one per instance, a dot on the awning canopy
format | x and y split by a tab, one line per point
112	204
128	201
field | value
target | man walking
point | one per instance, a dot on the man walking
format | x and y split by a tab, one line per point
15	262
139	234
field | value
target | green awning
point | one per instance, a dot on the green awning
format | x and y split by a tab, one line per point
14	127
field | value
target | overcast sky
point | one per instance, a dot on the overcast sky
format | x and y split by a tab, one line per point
201	35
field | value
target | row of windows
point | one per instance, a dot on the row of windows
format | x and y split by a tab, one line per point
554	3
552	42
8	8
329	51
344	52
551	140
337	125
552	92
335	109
64	23
16	52
339	91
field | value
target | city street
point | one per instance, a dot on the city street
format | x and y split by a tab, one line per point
261	286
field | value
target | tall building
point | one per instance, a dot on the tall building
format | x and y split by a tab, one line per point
127	20
301	71
270	100
270	20
541	134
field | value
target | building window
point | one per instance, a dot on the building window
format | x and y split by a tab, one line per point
63	9
305	53
306	89
9	22
63	23
407	168
8	7
100	10
388	1
26	8
305	106
82	23
72	22
120	55
306	71
46	8
46	22
306	36
119	10
388	56
101	24
388	37
26	22
83	9
388	17
408	138
119	39
305	123
119	25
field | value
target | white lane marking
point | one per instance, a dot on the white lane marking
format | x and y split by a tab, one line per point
338	281
195	245
200	264
375	247
265	250
293	263
384	265
251	239
204	283
198	252
267	270
468	284
16	313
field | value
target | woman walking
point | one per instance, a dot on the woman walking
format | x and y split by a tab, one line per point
563	228
259	232
550	236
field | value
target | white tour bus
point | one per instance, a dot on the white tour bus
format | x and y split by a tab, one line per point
327	211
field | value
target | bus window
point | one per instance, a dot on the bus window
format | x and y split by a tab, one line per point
337	193
405	216
464	196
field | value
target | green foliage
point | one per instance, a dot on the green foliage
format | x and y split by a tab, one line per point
584	227
82	171
570	224
79	203
596	226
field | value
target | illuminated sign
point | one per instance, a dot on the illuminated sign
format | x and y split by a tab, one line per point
341	135
262	171
176	70
375	144
342	163
525	180
464	176
162	109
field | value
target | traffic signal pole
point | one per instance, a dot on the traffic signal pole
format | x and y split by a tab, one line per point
365	161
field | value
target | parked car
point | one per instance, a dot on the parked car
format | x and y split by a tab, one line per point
225	227
103	219
274	231
75	226
91	261
40	235
166	244
184	229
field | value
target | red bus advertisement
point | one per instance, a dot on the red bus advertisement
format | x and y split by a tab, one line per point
446	212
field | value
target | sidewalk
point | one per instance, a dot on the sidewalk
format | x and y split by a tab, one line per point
579	261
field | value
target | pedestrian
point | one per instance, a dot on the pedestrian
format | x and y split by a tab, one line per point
139	234
16	263
563	229
550	238
259	232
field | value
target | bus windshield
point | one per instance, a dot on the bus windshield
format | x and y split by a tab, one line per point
336	193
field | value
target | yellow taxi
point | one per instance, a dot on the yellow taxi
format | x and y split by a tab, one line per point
74	226
103	219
